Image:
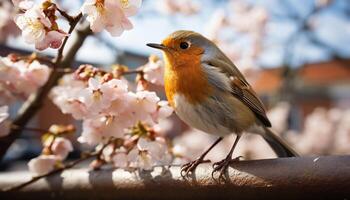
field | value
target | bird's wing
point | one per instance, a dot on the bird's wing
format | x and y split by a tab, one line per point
241	89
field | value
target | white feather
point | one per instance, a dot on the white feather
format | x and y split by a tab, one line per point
198	117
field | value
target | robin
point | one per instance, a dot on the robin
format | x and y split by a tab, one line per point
209	93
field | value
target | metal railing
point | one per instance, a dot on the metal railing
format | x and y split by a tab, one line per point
326	177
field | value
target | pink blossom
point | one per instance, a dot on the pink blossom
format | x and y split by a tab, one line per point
99	96
163	111
107	151
21	78
110	15
42	164
96	99
322	3
217	21
100	129
142	105
165	126
154	71
342	134
147	101
67	96
60	147
4	123
36	29
186	7
53	40
129	7
35	73
33	23
106	106
240	18
148	153
120	160
23	4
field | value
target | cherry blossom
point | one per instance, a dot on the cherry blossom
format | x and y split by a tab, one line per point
53	39
217	21
110	14
23	4
66	96
154	70
120	160
4	123
129	7
60	147
342	134
143	104
163	111
240	19
42	164
110	109
332	137
39	30
100	129
186	7
21	78
148	153
99	96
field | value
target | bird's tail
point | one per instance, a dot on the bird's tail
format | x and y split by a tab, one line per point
279	146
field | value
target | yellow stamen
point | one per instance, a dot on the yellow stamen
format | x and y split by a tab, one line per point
125	3
100	6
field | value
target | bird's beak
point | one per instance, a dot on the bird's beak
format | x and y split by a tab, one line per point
157	46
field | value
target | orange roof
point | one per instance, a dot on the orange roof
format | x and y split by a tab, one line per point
326	73
268	80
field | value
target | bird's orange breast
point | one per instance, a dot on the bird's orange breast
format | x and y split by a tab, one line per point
186	77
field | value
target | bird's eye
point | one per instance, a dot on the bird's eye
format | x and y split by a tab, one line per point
184	45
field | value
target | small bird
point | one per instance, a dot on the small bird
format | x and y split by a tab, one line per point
209	93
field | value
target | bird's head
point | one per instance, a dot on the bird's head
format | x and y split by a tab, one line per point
182	48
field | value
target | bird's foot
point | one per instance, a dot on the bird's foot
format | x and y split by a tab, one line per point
222	166
190	167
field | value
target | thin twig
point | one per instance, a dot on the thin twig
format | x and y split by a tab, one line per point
68	17
87	156
137	71
72	24
36	178
13	126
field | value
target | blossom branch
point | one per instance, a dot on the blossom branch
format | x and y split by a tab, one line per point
86	156
39	130
69	18
129	72
73	21
58	170
35	101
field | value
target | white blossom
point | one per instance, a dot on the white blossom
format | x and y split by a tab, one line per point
111	15
42	164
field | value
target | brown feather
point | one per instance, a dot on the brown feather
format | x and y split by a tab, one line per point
243	91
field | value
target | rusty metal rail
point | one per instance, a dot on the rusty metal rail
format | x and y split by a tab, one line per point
286	178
